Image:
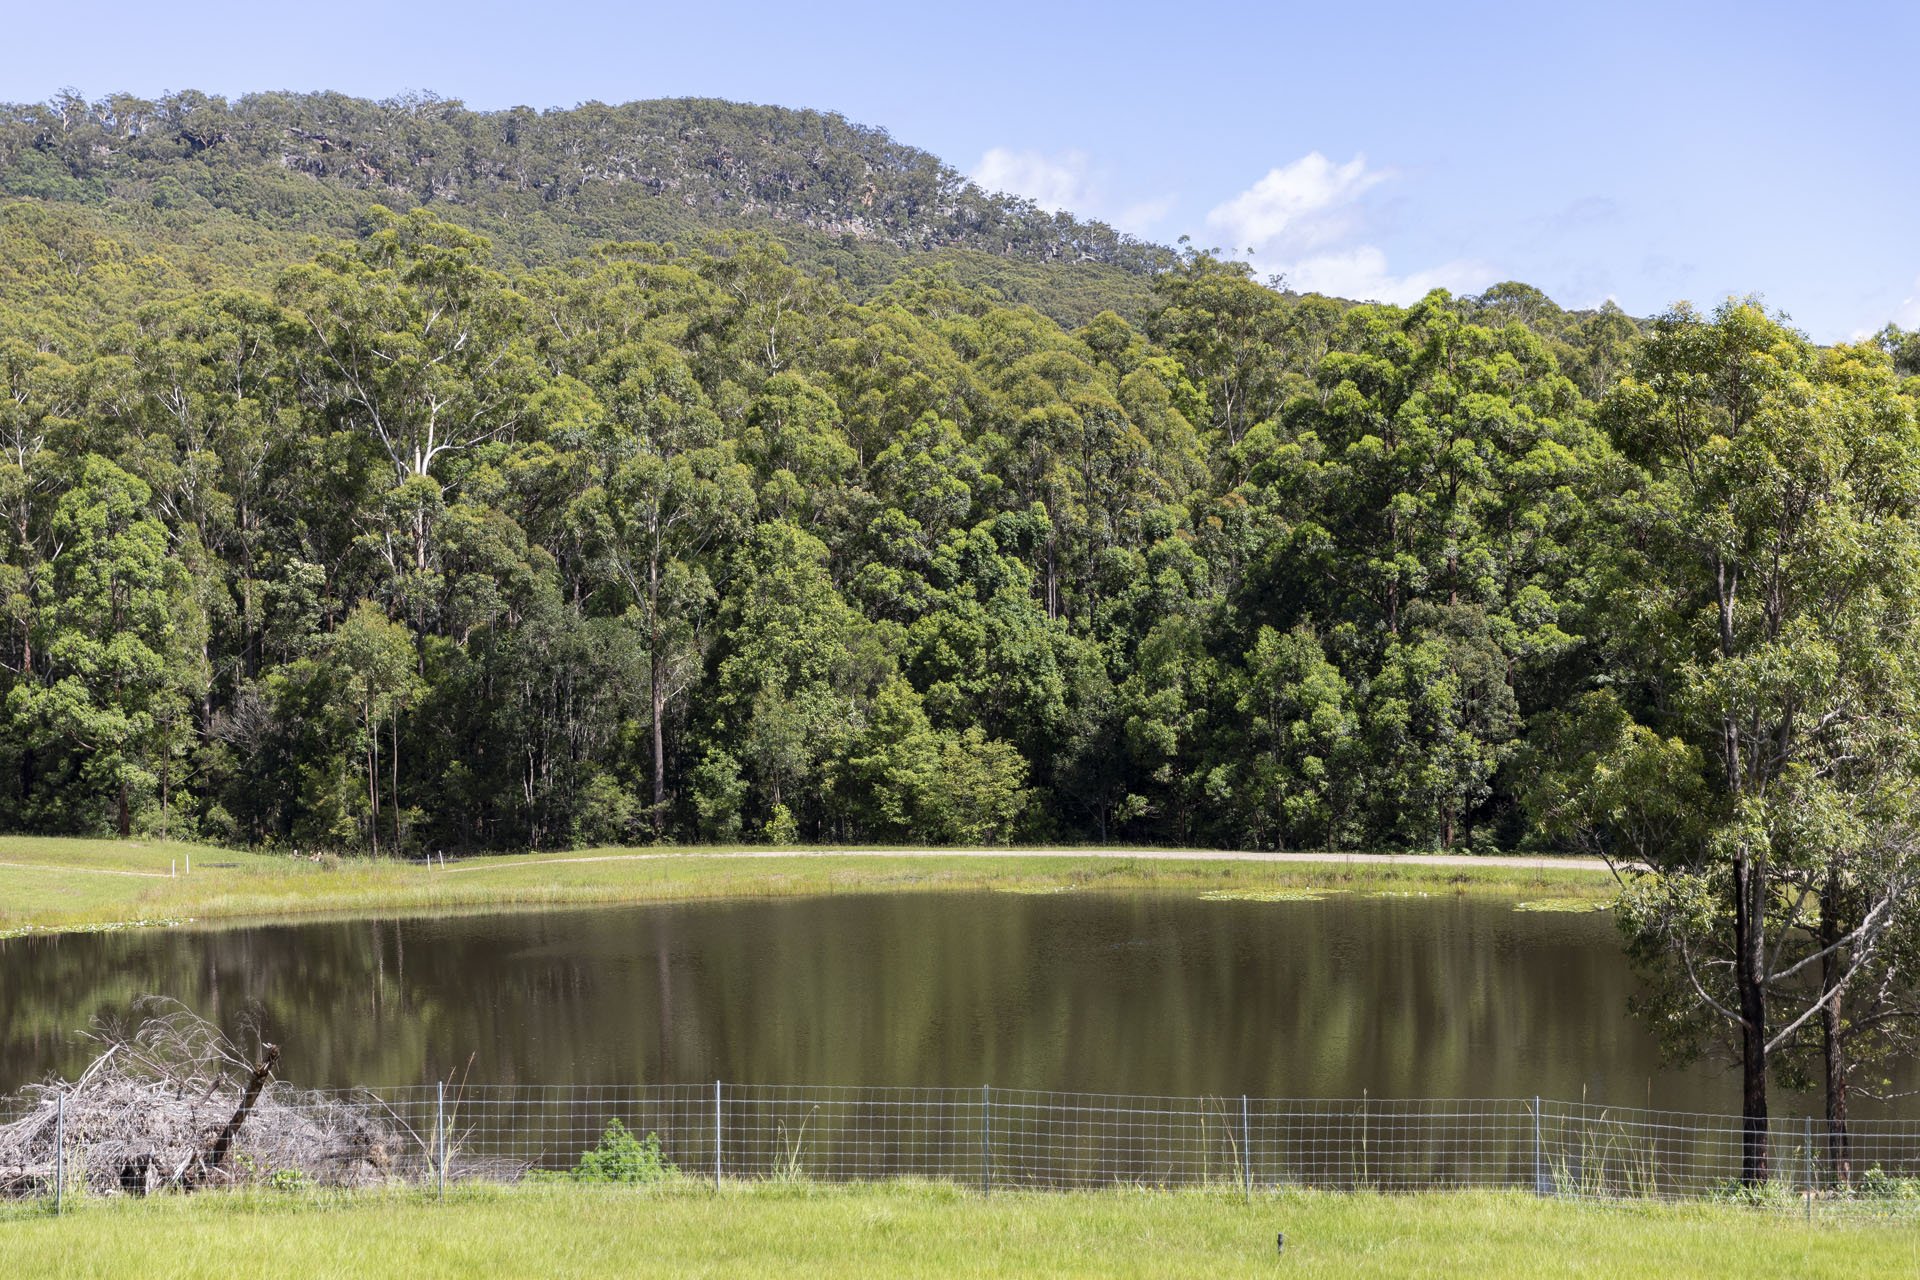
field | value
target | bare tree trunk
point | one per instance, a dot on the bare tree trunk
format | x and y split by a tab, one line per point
373	784
657	678
1839	1143
217	1152
126	824
1053	577
1748	971
398	844
1833	1036
1753	1108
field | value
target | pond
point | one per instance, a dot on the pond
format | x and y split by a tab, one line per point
1399	997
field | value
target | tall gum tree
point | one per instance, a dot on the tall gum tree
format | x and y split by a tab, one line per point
413	343
1765	580
374	659
671	492
36	392
116	624
1426	502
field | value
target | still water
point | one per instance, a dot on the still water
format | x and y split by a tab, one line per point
1120	993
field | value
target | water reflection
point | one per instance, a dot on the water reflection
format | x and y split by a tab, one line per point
1161	994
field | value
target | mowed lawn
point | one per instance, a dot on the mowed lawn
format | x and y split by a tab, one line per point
936	1231
48	883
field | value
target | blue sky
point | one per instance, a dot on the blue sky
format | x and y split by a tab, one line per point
1644	152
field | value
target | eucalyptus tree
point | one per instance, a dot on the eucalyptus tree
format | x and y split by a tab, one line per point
1424	503
117	632
1903	345
374	659
1229	331
410	341
760	316
671	489
792	678
206	420
1765	685
1295	773
38	392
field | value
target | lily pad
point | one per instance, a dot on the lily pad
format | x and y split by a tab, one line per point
1265	895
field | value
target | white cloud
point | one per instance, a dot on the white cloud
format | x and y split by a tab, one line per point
1303	219
1143	214
1297	206
1058	182
1064	183
1361	274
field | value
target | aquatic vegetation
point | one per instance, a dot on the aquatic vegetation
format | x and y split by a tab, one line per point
1267	895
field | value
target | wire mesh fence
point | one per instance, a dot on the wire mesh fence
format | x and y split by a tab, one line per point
430	1139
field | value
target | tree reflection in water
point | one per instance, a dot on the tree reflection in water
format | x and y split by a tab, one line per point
1124	993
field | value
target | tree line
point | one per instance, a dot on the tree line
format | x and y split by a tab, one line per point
248	177
682	543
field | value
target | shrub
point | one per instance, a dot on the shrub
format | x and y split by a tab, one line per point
620	1157
1877	1184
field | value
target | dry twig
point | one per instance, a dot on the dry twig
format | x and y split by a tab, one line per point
172	1102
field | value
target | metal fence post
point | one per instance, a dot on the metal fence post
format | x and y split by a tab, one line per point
716	1135
1539	1183
1809	1170
440	1135
60	1154
986	1140
1246	1149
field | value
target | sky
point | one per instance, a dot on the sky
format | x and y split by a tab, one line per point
1647	153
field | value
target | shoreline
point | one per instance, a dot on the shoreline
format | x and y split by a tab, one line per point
1324	859
48	886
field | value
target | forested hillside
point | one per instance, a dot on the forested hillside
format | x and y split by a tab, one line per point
402	540
410	552
258	174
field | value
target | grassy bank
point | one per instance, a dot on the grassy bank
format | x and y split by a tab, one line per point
933	1231
48	884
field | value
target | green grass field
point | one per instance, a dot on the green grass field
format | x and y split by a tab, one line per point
48	883
936	1231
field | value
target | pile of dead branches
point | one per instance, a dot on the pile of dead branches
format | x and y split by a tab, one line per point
171	1103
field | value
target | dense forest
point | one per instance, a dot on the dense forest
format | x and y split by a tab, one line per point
411	553
388	541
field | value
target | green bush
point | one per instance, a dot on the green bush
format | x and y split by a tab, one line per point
1877	1184
620	1157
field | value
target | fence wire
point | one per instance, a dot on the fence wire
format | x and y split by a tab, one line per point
988	1139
